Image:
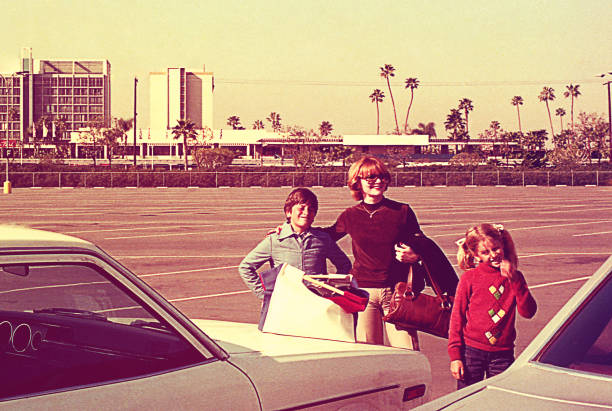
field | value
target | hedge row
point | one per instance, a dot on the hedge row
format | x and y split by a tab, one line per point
307	179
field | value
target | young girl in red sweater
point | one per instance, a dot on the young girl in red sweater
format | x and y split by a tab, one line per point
482	331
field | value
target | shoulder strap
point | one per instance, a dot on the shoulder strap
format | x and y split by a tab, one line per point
409	279
434	285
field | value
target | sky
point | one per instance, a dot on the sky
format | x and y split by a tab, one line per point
313	61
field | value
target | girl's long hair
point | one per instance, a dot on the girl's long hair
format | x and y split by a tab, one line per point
475	235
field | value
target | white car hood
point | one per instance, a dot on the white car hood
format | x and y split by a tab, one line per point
531	387
278	364
242	338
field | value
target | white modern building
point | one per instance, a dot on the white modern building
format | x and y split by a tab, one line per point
181	94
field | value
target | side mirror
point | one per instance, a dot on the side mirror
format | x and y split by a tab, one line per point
21	270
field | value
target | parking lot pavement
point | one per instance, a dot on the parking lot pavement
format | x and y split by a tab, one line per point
187	243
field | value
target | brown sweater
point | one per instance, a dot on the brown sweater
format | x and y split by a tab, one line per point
374	231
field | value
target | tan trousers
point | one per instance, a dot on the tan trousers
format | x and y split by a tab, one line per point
372	329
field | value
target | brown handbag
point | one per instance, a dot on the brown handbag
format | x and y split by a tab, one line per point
423	312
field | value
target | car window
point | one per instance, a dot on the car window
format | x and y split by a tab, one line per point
67	325
585	341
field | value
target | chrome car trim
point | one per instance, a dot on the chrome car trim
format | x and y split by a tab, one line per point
551	399
19	342
342	397
6	332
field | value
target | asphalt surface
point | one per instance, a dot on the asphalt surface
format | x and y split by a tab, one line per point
187	243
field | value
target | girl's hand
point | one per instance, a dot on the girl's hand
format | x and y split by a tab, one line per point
507	269
405	254
456	368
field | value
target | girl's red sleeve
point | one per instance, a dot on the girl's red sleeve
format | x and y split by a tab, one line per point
458	318
525	303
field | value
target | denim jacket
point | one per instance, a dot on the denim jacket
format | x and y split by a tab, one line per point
308	253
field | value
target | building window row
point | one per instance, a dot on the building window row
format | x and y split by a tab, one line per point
14	100
10	82
70	81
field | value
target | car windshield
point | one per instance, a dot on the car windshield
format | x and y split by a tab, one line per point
67	289
72	324
585	342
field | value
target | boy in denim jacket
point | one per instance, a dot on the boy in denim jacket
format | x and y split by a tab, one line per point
297	244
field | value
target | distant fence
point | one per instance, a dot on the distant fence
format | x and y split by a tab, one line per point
143	179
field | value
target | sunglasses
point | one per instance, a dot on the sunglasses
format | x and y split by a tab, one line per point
371	179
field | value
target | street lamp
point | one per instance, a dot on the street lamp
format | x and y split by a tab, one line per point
7	183
9	112
609	112
135	114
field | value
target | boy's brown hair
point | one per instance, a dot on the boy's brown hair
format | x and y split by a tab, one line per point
301	196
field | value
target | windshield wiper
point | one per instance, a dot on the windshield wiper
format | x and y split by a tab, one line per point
149	324
73	312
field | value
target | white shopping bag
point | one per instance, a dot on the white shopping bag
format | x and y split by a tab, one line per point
295	310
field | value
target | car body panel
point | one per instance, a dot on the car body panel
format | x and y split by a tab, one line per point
330	369
240	367
530	384
195	387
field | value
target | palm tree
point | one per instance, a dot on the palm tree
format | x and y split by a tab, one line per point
60	128
258	125
187	130
548	94
326	128
560	112
387	71
518	101
412	83
377	97
234	122
125	126
429	129
465	104
573	92
455	124
275	120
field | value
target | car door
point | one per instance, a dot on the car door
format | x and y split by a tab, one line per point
78	330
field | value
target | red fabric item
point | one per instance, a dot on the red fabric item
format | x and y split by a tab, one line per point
352	301
485	308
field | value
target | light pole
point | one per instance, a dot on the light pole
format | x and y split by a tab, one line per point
135	113
9	112
609	113
609	120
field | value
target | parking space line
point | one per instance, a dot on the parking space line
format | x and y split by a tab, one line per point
534	227
199	297
571	280
179	234
587	234
187	271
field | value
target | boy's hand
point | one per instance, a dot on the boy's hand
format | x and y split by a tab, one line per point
405	254
456	368
507	269
276	230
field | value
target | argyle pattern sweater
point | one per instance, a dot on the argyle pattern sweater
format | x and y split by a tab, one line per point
485	308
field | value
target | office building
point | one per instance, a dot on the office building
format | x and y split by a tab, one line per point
68	93
181	94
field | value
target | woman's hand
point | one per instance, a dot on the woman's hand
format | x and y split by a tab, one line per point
405	254
456	368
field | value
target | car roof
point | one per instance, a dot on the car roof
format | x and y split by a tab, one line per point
17	236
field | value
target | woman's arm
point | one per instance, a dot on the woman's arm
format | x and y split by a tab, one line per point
338	258
339	229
